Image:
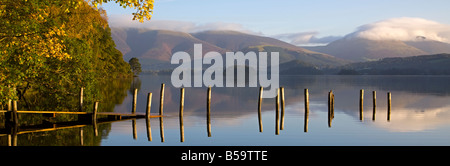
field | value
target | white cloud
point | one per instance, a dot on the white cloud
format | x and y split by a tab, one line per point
183	26
306	38
404	29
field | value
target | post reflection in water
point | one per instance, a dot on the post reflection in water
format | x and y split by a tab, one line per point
361	105
133	122
181	115
374	97
414	110
161	128
330	107
389	106
149	128
208	111
306	93
277	112
259	109
12	138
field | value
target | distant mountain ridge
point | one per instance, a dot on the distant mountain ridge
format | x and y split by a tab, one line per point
360	50
154	48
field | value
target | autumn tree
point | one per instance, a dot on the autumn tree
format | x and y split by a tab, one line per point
53	45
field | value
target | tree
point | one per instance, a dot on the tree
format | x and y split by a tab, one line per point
55	43
135	66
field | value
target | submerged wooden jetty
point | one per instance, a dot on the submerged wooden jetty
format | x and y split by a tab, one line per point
84	117
96	117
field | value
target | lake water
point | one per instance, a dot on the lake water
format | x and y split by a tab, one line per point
420	115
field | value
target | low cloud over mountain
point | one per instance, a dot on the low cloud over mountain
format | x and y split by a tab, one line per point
306	38
404	29
121	21
396	37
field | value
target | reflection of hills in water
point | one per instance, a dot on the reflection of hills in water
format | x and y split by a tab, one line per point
412	97
419	103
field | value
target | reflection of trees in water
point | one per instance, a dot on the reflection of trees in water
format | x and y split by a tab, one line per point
135	84
236	102
65	137
109	92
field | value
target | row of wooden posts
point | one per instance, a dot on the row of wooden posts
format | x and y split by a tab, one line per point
279	116
161	106
279	122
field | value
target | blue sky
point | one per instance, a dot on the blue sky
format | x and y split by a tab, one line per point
273	17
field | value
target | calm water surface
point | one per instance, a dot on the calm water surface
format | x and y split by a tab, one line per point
419	115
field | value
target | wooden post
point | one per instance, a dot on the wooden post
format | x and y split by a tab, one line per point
15	110
81	99
282	108
9	105
149	105
161	100
277	114
361	104
389	106
12	118
161	128
259	109
94	118
133	108
374	94
332	105
149	129
81	136
208	111
133	125
329	108
181	115
306	110
94	113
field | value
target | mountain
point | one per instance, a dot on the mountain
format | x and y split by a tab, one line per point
235	41
154	48
430	46
360	50
437	64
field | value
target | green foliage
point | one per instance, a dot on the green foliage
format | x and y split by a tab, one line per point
135	66
53	48
49	49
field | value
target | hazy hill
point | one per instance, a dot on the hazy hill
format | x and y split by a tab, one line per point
437	64
430	46
154	48
235	41
359	50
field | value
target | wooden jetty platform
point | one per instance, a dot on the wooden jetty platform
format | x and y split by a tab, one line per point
111	115
12	114
95	117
